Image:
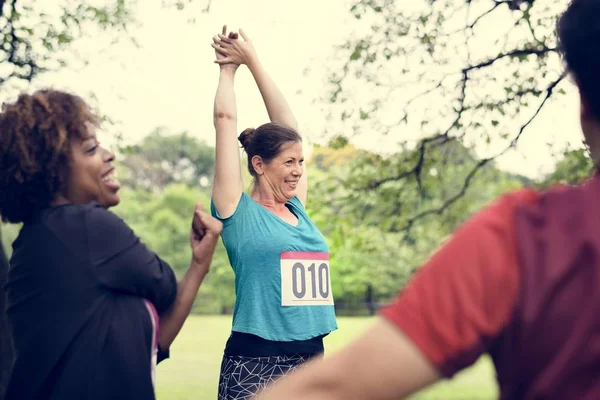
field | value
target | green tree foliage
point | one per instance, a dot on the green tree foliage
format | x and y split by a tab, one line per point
162	159
36	38
436	77
575	166
365	214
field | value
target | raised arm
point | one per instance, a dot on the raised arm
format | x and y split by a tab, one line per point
277	107
243	52
228	184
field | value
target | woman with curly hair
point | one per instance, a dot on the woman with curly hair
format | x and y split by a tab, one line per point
84	295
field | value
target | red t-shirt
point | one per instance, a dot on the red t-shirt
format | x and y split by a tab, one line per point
521	282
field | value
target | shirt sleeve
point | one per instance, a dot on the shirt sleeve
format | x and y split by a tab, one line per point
463	297
123	263
242	204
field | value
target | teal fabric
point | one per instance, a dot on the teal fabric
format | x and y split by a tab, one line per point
254	239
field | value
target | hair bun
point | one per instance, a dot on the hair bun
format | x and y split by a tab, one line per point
246	137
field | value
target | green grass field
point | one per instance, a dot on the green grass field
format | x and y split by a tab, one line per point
192	372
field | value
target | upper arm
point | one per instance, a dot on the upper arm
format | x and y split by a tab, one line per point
122	263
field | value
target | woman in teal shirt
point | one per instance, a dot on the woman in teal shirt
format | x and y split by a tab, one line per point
284	305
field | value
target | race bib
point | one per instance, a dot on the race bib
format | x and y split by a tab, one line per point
305	279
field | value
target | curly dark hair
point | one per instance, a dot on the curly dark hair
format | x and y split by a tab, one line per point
35	141
579	42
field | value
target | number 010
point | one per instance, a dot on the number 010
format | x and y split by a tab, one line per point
299	280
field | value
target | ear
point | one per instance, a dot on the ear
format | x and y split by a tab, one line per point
258	165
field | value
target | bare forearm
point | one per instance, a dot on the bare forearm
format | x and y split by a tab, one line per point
277	107
367	369
172	320
225	104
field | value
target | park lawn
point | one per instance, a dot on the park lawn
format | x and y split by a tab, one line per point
192	372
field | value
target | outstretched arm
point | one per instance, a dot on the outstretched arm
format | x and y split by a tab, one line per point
228	184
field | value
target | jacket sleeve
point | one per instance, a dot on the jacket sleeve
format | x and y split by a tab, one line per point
124	264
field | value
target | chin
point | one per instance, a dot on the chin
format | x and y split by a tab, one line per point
290	196
111	202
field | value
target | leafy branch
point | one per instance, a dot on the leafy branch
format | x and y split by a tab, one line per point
463	190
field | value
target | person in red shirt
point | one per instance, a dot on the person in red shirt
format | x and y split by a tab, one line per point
519	281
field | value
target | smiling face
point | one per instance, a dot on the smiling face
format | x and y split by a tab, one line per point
283	172
91	174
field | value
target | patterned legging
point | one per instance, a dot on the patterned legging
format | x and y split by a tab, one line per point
241	377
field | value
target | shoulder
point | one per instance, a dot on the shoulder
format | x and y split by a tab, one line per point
243	205
74	217
106	231
101	219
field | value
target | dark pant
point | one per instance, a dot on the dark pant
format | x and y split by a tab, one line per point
241	377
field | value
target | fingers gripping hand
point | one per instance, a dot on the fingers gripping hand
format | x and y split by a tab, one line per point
220	52
232	50
204	234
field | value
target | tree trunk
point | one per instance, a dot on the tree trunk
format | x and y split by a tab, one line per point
369	300
6	351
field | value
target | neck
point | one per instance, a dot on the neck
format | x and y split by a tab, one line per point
59	201
265	197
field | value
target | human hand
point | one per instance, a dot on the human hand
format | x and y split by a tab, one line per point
232	50
219	56
204	236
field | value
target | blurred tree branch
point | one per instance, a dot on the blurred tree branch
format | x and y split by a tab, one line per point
432	53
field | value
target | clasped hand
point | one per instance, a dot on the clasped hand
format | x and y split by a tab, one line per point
230	50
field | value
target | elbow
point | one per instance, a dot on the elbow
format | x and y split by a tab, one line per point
223	115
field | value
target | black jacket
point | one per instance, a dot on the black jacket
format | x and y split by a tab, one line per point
78	276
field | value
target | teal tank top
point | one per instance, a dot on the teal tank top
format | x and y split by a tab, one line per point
282	280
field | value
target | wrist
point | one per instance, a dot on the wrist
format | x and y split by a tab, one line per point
228	69
199	265
252	61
